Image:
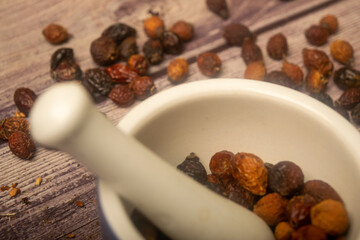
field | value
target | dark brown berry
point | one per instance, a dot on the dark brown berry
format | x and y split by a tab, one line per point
192	167
241	196
315	81
98	81
320	191
66	71
250	51
317	35
183	29
330	22
235	33
104	51
308	232
119	31
138	63
24	99
349	98
153	51
122	95
324	98
178	70
281	78
127	48
55	34
120	73
172	43
298	210
277	46
13	124
220	165
317	59
217	188
21	145
219	7
154	27
209	64
346	77
142	87
61	55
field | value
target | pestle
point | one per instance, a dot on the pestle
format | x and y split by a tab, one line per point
65	118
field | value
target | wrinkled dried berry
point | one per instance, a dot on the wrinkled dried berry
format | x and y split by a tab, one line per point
142	87
281	78
283	231
122	95
24	99
184	30
21	145
217	188
138	63
120	73
154	27
317	35
66	71
61	55
235	33
256	71
178	70
12	124
209	64
127	48
346	77
342	51
98	81
250	51
308	232
329	22
172	43
286	178
349	98
319	60
277	46
320	191
220	165
271	208
298	210
355	114
294	72
55	34
104	51
118	32
192	167
315	81
241	196
219	7
324	98
153	51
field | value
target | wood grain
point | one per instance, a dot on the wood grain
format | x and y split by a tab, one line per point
24	62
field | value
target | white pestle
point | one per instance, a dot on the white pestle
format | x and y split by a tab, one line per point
65	118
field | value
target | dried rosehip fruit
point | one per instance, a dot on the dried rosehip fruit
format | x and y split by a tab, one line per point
219	7
330	216
142	87
55	34
281	78
329	22
212	178
209	64
178	70
277	46
250	172
24	99
240	195
346	77
118	32
315	81
324	98
21	144
138	63
122	95
183	29
120	73
256	71
320	191
12	124
192	167
220	165
127	48
308	232
172	43
319	60
66	71
250	51
298	210
61	55
154	27
104	51
349	98
294	72
355	114
317	35
218	188
342	51
153	51
283	231
98	81
271	208
286	178
235	34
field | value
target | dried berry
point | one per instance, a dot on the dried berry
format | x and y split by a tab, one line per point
319	60
14	191
342	51
66	71
277	46
298	210
55	34
286	178
12	124
315	81
184	30
241	196
61	55
250	172
178	70
308	232
138	63
283	231
118	32
122	95
317	35
142	87
346	77
281	78
127	48
192	167
98	81
220	165
355	114
294	72
214	179
215	187
24	99
330	216
21	145
104	51
235	33
120	73
209	64
320	191
172	43
329	22
271	208
349	98
250	51
153	51
324	98
154	27
219	7
256	71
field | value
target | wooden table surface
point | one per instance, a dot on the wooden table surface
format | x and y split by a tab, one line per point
24	62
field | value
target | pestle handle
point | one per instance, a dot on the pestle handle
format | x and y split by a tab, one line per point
65	118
